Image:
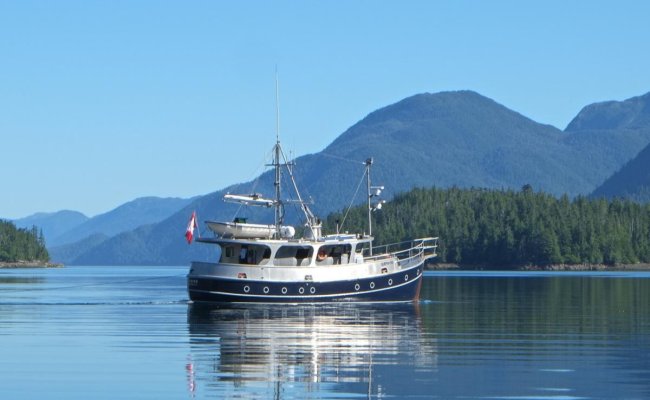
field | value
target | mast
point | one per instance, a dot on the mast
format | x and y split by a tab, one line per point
279	161
377	191
279	209
368	164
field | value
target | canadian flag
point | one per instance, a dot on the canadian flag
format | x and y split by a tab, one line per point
189	233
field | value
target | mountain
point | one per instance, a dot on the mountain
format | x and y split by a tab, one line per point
52	224
67	253
633	113
621	128
458	138
446	139
156	244
128	216
630	182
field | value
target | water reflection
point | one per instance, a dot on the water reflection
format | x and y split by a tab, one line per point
528	304
19	280
337	347
538	336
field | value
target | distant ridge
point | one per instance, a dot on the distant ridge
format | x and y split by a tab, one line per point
631	118
633	113
67	253
53	224
631	182
126	217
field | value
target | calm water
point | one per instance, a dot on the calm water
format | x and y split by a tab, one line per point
108	333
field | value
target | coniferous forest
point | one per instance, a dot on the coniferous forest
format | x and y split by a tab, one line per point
21	244
510	229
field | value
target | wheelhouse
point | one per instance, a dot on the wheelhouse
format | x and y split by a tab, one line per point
300	253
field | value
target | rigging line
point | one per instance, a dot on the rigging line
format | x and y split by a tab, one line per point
267	155
341	158
291	193
353	198
92	284
237	212
296	209
292	190
260	168
295	203
306	211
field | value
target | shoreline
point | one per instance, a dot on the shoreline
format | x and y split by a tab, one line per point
554	267
30	264
430	267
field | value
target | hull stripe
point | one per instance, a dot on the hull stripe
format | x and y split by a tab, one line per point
349	294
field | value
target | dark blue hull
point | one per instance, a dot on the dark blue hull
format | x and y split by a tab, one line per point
402	286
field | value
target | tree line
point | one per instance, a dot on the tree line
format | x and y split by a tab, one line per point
506	228
17	244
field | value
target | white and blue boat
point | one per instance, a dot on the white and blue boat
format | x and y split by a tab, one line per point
260	263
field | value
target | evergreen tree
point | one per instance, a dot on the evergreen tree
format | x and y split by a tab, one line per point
507	228
21	244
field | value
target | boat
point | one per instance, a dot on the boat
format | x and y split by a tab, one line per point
239	228
266	263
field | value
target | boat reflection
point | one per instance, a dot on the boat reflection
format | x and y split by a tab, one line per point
346	345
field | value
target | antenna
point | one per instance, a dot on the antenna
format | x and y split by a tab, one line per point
280	160
277	106
279	210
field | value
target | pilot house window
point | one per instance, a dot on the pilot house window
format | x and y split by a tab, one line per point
293	255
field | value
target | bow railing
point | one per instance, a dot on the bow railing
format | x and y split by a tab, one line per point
422	248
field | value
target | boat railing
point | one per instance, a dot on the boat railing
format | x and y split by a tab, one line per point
404	251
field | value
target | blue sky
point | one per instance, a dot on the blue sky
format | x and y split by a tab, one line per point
102	102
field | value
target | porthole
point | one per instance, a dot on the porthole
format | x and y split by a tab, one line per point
247	289
312	290
372	285
406	277
266	289
357	287
284	290
390	282
301	290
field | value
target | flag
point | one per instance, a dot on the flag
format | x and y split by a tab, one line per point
189	233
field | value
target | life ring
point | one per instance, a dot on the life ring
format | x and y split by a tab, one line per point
322	255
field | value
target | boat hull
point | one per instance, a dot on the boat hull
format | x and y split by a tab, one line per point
399	286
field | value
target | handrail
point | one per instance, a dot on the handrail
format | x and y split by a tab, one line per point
416	248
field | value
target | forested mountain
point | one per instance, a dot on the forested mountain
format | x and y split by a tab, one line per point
631	120
467	140
499	229
67	253
633	113
447	139
19	244
630	182
52	224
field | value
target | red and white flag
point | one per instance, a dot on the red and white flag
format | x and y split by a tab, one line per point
189	233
